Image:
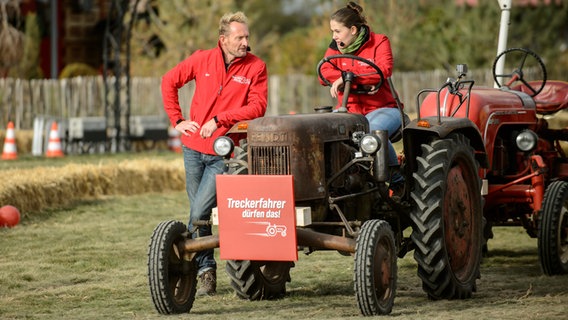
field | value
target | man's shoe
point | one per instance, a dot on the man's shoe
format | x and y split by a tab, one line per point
208	280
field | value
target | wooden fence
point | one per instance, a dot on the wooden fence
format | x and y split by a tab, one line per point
23	100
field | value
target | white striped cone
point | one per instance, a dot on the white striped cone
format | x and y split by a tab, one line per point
9	152
54	144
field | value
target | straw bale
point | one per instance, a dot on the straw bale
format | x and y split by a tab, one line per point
37	189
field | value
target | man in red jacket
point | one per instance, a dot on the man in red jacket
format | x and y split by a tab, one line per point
230	86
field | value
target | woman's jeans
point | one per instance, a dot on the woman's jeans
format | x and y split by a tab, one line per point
387	119
200	172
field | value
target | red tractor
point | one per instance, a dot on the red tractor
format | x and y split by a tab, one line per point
524	169
475	157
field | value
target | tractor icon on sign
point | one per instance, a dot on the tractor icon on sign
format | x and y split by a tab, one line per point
274	229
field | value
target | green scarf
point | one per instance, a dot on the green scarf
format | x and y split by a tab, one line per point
356	44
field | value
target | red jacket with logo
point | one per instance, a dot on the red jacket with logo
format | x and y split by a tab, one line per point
377	49
233	94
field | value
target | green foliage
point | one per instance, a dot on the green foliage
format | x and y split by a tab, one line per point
291	36
543	30
183	26
443	38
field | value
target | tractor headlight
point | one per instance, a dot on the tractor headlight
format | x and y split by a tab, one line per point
223	146
370	144
526	140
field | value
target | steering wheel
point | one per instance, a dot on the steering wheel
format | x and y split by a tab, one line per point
349	76
517	59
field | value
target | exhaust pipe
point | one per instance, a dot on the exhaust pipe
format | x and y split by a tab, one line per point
309	238
505	6
305	237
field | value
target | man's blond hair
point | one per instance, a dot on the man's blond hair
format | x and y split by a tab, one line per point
227	18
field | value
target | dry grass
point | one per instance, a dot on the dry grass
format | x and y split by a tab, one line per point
89	262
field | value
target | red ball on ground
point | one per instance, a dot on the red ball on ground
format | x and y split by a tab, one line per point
9	216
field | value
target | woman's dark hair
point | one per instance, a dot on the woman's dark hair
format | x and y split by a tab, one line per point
350	15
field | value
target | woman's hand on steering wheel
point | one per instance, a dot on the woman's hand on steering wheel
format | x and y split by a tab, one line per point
336	86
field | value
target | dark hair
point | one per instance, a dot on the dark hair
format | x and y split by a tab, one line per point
350	15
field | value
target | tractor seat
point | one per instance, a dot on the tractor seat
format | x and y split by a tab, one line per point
552	98
397	135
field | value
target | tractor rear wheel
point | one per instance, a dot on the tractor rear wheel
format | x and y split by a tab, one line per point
447	217
375	268
172	278
259	280
553	230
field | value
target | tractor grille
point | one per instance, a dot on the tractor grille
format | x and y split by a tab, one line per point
273	160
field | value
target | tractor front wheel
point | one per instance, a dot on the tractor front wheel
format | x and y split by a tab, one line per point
172	277
447	218
553	230
375	268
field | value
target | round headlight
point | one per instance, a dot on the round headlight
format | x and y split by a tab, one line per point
526	140
370	143
223	146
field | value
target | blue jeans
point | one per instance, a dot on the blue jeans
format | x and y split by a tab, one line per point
387	119
200	172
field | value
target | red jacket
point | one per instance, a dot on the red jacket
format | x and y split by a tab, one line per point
233	94
377	49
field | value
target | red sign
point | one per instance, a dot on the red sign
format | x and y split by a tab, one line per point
257	217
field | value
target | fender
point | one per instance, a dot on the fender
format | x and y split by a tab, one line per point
414	135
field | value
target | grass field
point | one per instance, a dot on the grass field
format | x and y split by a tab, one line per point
89	262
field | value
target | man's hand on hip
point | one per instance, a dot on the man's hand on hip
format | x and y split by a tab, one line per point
187	127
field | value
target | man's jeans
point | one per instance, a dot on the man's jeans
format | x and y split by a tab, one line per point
200	172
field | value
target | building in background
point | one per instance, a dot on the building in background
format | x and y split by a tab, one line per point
80	31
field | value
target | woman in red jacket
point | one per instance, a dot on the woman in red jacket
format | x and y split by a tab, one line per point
352	35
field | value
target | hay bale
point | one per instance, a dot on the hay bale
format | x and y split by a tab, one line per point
37	189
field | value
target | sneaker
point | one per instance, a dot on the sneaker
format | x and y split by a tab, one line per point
208	280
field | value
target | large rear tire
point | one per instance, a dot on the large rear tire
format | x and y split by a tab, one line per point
553	230
259	280
172	278
375	273
447	218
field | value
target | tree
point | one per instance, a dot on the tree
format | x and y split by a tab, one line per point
292	35
11	39
28	67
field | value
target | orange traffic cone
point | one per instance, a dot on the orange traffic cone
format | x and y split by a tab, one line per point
9	152
174	142
54	144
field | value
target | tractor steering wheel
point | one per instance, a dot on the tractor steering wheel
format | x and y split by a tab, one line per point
349	76
517	59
